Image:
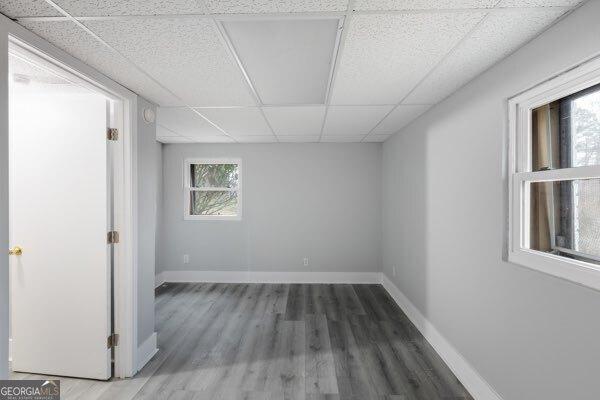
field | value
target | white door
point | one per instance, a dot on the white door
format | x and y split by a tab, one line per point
60	284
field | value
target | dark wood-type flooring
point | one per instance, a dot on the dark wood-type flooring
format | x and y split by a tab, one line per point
276	342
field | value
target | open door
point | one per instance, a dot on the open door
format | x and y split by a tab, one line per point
60	276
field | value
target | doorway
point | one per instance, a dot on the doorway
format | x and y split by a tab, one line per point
63	181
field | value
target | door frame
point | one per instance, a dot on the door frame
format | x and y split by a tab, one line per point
125	186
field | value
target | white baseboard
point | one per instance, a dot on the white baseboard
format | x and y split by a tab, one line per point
469	377
270	277
159	279
146	351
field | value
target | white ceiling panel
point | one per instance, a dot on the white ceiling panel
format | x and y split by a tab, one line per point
499	35
27	8
296	120
131	7
538	3
184	54
399	118
256	139
376	138
288	61
271	6
342	139
299	139
384	5
238	121
185	122
416	52
353	120
75	41
385	56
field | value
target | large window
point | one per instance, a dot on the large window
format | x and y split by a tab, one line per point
554	170
213	189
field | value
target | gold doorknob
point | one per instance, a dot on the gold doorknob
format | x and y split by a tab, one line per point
15	251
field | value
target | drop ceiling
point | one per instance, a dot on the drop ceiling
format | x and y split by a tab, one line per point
256	71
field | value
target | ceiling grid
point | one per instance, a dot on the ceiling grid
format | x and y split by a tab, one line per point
336	62
386	68
452	50
89	31
227	43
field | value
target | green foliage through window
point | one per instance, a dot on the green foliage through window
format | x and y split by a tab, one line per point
214	203
213	189
214	175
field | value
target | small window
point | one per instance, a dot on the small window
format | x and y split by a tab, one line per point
555	177
213	189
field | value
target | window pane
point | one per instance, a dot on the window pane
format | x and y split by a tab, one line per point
585	130
214	175
213	203
566	132
565	218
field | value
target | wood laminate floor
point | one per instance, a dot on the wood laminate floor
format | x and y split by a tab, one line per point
276	342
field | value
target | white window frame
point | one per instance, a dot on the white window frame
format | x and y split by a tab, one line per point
188	189
520	175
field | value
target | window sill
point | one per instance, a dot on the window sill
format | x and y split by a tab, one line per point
576	271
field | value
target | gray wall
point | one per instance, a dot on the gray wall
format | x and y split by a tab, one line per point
148	168
530	335
320	201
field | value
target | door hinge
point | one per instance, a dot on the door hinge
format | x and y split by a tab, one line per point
113	237
112	341
112	134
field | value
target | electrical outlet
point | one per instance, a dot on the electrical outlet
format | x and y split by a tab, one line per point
305	261
186	258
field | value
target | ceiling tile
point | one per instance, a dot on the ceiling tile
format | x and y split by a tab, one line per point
75	41
299	139
399	118
256	139
376	138
538	3
421	4
131	7
288	60
268	6
306	120
385	56
238	121
185	122
27	8
342	139
353	120
500	34
184	54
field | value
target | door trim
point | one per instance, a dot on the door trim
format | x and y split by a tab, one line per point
125	278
